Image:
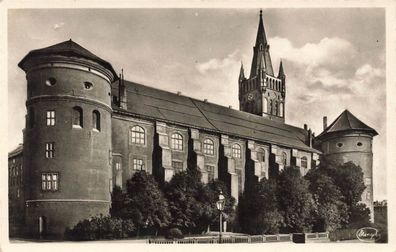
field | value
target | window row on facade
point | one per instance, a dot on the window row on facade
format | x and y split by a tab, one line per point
273	107
15	175
77	118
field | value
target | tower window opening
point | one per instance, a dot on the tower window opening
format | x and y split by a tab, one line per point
138	135
50	117
208	147
177	142
281	109
49	181
359	144
50	82
50	150
77	117
339	145
276	108
88	85
96	120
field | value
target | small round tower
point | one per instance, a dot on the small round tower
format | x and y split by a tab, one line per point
349	139
67	139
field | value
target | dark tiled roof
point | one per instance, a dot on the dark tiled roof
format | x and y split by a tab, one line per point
165	106
18	150
68	48
347	122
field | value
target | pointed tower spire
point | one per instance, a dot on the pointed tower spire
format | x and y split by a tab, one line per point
261	48
261	37
281	71
241	73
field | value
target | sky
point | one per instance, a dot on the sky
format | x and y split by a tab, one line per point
334	59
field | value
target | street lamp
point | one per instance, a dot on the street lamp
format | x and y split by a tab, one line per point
220	206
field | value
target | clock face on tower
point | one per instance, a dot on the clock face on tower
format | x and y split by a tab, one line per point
250	97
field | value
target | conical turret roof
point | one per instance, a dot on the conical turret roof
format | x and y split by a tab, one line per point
67	48
347	122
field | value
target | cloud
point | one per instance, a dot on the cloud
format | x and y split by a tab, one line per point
216	64
58	25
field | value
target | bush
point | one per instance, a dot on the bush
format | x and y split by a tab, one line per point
174	233
99	227
343	234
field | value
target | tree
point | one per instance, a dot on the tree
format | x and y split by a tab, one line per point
330	212
258	208
143	203
348	177
295	201
192	204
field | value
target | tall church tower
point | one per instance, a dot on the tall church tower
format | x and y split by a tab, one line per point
263	93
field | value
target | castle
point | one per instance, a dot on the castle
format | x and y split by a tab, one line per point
87	130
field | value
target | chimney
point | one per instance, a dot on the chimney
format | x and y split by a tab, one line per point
205	100
309	138
230	106
178	93
324	122
122	94
305	126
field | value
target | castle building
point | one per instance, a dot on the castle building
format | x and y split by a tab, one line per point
88	129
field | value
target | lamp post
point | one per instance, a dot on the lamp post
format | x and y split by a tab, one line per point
220	206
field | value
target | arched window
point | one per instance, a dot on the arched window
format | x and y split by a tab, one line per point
261	155
77	117
137	135
177	141
284	158
265	105
236	151
275	108
270	107
304	162
208	147
281	109
96	120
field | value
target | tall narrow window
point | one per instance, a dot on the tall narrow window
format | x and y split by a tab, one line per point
265	105
96	120
261	156
208	147
284	158
50	117
137	135
239	174
236	151
50	150
177	142
270	107
138	164
211	172
276	108
281	109
49	181
77	117
31	117
304	162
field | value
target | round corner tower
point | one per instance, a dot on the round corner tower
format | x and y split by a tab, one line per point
67	139
349	139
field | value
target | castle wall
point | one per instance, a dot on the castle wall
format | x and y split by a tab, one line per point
124	150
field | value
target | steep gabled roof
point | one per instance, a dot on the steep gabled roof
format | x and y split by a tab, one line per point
347	122
156	104
68	48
